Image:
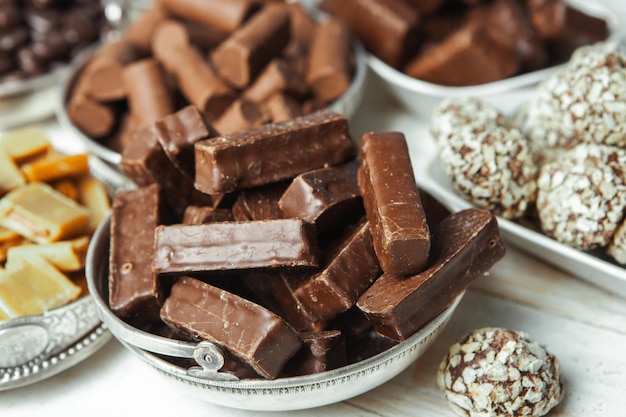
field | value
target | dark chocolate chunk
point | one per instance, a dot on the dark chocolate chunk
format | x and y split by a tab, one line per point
249	159
135	293
206	214
252	333
464	246
392	203
260	203
235	245
327	197
351	269
321	351
177	134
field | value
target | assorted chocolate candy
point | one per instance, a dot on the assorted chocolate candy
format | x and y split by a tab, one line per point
39	36
462	43
241	63
290	253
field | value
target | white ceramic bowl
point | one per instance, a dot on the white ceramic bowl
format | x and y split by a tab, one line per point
421	97
208	383
347	104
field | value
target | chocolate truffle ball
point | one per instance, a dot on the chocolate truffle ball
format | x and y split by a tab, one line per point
498	372
487	160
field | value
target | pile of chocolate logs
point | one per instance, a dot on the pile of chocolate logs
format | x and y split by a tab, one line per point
282	246
37	36
469	42
241	62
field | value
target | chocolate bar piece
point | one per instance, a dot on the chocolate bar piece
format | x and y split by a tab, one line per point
252	333
349	272
241	57
327	197
469	56
195	78
206	214
566	28
226	15
135	293
272	153
104	71
392	203
277	76
94	118
148	96
320	352
236	245
465	245
260	203
508	23
281	107
241	115
139	34
145	162
329	73
388	28
178	132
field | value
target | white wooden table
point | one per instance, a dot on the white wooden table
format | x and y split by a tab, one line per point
585	327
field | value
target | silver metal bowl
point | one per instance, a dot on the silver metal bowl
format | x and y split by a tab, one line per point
207	382
421	97
347	104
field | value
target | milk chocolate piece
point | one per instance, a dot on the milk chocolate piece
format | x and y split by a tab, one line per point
508	23
206	214
140	32
329	73
321	351
104	72
135	293
226	15
464	246
302	27
566	28
327	197
198	82
92	117
469	56
347	274
260	203
149	98
281	107
241	57
177	134
277	76
392	203
235	245
241	115
252	333
427	7
388	28
248	159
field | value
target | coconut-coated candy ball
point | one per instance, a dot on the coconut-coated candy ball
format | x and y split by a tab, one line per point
495	372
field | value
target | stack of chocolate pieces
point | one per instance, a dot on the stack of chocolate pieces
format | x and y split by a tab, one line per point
239	62
469	42
282	247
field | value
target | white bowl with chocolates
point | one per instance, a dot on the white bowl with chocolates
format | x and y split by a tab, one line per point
242	65
274	280
498	51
